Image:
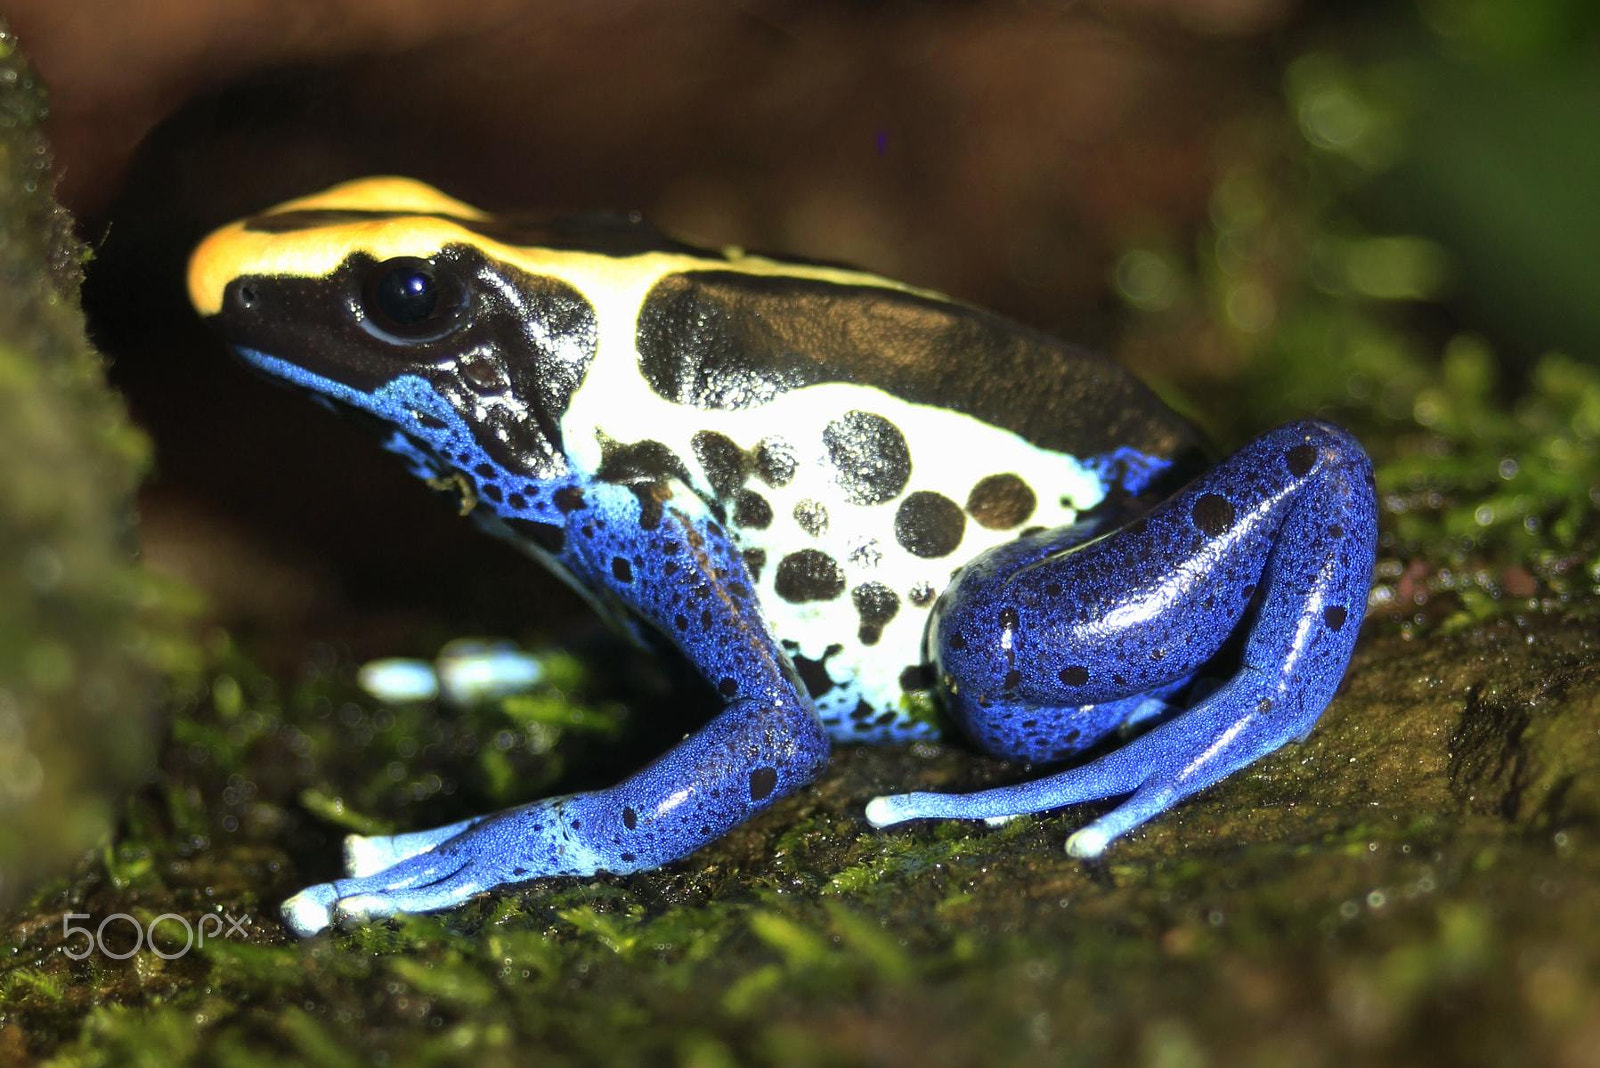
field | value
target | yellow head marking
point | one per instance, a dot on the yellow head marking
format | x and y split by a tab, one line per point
413	219
383	193
317	251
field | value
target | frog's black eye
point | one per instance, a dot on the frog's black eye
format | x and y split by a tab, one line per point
410	300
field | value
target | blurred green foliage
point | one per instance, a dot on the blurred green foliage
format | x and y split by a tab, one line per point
1348	290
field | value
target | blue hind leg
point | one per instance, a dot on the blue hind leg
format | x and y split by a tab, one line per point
1056	640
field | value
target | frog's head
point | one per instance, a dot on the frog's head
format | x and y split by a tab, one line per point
387	296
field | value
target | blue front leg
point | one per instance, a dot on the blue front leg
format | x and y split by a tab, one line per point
678	571
1039	652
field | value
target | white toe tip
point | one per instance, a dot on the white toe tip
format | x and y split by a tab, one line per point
304	915
1087	843
881	812
997	821
362	856
359	908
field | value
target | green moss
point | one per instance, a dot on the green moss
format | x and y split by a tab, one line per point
80	626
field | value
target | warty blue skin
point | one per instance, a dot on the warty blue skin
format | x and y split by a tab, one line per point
1043	647
1139	611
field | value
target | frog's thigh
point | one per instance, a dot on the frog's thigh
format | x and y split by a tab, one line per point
1293	512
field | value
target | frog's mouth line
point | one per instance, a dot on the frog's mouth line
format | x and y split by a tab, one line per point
361	409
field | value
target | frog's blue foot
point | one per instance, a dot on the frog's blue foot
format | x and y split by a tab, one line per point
1036	654
690	796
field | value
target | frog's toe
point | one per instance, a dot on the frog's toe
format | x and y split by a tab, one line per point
315	907
309	911
367	854
1088	843
370	854
433	897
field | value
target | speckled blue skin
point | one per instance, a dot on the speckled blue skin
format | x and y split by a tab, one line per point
1043	647
674	571
1042	643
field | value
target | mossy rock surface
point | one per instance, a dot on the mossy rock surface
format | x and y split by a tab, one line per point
76	696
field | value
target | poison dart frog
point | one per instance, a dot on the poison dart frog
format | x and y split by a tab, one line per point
834	494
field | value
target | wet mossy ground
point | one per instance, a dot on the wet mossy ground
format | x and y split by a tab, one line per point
1415	883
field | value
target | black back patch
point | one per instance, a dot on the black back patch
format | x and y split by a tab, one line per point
728	340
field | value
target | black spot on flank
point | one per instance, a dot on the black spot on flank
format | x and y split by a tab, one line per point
876	604
491	492
651	497
429	422
1052	589
1076	675
725	464
929	524
1264	706
730	340
1009	619
862	712
1334	617
546	536
680	621
638	463
1001	502
628	858
705	619
808	575
728	687
1012	680
483	471
958	642
1300	459
1335	530
630	818
869	455
569	499
762	782
754	561
1213	514
1158	655
814	673
621	570
752	511
917	677
669	568
812	517
517	502
775	462
921	594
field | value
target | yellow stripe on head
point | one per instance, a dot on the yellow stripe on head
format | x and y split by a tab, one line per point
406	226
382	193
